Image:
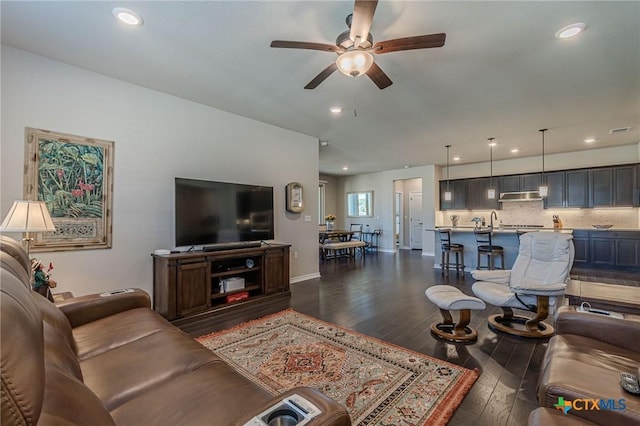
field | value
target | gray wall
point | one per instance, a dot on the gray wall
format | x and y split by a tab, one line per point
157	137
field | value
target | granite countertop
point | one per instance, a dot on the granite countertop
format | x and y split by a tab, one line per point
513	230
497	230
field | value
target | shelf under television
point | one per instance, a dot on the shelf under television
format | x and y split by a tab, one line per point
234	272
227	293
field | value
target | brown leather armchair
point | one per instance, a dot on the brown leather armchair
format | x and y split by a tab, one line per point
583	362
111	360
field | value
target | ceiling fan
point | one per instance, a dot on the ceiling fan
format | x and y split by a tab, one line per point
355	46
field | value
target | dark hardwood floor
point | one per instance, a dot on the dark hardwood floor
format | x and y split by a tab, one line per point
383	296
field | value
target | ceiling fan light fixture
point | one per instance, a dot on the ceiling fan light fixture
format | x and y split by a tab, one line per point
354	62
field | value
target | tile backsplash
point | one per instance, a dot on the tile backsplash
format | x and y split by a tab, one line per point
533	213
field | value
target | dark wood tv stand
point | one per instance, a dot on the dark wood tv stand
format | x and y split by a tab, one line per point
186	286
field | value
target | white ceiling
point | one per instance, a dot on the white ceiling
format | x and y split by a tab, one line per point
501	73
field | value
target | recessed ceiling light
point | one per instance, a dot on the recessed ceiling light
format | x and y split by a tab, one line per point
571	30
127	16
406	166
457	158
589	140
335	110
515	150
324	143
345	168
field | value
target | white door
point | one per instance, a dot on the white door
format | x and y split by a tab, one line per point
415	218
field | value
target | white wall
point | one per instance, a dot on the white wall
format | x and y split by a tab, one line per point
157	137
382	184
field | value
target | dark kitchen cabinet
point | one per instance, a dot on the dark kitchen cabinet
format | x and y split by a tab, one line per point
577	188
581	246
478	194
530	182
509	183
458	190
618	250
613	186
627	253
601	187
625	191
556	183
602	252
520	183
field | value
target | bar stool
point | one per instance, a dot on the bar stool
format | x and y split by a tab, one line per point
447	248
487	248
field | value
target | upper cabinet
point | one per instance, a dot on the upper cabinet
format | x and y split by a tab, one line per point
577	188
478	194
626	189
556	183
458	189
520	183
615	186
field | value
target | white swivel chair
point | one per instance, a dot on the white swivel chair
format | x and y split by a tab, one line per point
539	275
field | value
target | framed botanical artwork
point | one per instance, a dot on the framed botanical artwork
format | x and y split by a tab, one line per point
73	175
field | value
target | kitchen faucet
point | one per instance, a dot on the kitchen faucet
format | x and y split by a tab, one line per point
493	213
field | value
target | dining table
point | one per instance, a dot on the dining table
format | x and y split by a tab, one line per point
333	234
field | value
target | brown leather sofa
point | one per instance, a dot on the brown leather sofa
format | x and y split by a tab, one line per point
584	361
111	360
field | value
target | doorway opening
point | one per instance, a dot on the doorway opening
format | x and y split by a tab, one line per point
408	224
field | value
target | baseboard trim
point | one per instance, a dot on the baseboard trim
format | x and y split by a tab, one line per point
306	277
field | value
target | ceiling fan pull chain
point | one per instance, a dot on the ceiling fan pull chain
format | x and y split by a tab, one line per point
355	99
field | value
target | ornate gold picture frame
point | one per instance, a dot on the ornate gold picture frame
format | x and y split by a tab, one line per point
73	175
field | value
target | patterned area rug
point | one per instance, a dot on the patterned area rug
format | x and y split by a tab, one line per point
379	383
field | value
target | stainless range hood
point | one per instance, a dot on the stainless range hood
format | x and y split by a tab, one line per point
512	197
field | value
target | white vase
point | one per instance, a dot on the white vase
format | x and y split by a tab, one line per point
330	225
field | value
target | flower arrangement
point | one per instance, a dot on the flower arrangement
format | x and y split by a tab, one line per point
330	217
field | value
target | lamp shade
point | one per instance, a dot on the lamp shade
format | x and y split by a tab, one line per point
354	62
28	216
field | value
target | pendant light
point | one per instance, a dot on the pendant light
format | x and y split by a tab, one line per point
491	192
543	189
447	194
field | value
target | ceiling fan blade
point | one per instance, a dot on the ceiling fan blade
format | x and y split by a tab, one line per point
306	45
322	76
379	77
408	43
362	17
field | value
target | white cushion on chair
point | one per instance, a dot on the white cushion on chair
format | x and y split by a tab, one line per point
493	275
544	259
449	297
542	268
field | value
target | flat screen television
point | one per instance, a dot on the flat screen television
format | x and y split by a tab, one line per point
208	212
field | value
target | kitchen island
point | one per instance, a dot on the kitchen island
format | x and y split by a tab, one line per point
506	238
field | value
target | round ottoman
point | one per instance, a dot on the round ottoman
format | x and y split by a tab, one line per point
450	298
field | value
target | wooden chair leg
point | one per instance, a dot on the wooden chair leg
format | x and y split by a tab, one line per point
541	315
447	319
463	322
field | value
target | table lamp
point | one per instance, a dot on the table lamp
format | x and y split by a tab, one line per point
28	216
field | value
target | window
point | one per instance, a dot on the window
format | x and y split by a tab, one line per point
360	204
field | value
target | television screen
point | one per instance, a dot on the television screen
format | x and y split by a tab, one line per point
208	212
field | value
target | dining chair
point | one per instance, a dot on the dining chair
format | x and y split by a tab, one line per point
357	228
